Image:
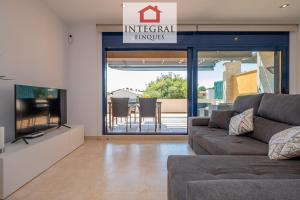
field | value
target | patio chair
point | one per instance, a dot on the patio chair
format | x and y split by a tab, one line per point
147	108
120	108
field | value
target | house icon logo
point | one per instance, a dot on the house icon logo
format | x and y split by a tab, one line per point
148	9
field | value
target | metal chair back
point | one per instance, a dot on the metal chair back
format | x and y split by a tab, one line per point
120	107
147	107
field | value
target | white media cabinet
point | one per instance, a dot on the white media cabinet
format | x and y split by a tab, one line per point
22	162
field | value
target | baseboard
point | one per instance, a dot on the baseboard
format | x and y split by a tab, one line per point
137	137
93	137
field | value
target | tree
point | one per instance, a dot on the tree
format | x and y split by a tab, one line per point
170	86
201	88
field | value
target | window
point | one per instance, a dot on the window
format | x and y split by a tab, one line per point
224	75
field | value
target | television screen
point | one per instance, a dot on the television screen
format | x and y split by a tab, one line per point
38	109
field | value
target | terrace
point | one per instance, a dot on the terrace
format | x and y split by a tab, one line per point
173	120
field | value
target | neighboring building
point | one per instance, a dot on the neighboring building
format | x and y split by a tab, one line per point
230	69
265	75
218	86
126	92
202	94
244	84
210	93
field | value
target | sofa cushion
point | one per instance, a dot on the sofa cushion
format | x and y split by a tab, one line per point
184	169
198	121
224	166
231	145
285	144
252	189
243	103
203	130
281	108
264	129
220	119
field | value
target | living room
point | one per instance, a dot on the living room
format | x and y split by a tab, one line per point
234	127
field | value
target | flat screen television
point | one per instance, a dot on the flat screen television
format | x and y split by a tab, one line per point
38	109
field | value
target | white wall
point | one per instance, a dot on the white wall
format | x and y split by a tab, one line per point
32	51
294	62
84	86
298	62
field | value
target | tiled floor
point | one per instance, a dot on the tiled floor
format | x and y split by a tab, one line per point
171	124
99	170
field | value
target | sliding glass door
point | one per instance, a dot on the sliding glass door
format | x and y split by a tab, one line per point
224	75
137	76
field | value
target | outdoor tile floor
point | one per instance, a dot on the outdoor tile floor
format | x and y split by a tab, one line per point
171	124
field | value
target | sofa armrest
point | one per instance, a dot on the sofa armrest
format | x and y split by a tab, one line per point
275	189
198	121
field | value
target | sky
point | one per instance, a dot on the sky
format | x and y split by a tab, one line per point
118	79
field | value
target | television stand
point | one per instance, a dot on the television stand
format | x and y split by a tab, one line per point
20	138
22	162
63	126
28	137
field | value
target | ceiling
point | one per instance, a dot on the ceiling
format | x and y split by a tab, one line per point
189	11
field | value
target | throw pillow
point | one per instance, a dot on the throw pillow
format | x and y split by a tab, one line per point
242	123
220	119
285	144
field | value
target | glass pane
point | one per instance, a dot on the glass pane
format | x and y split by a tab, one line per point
224	75
141	75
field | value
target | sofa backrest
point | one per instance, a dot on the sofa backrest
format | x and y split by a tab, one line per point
243	103
264	129
281	108
273	113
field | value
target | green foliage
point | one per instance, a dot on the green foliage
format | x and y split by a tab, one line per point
201	88
170	86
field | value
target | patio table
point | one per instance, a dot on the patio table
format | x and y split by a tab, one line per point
131	104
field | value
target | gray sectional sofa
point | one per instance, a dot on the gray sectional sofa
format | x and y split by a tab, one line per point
237	167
